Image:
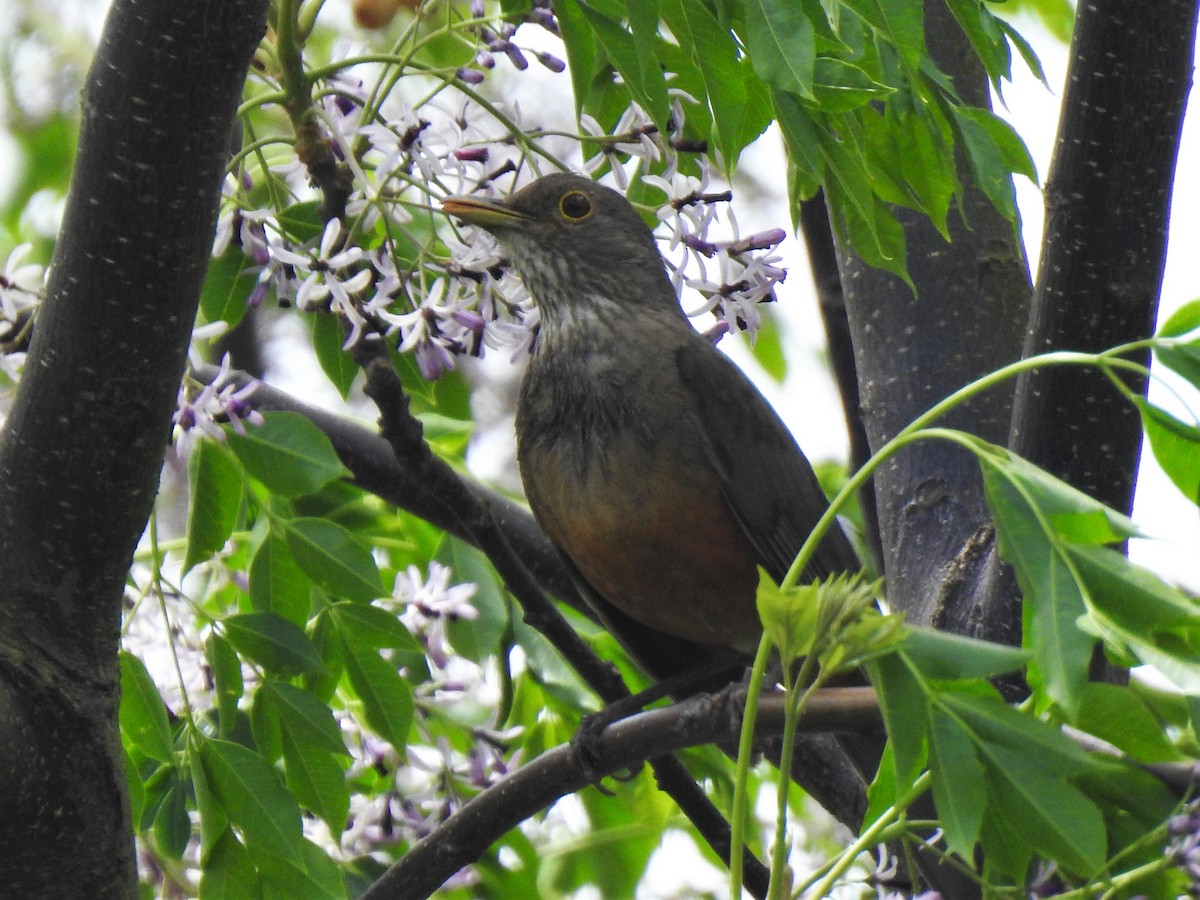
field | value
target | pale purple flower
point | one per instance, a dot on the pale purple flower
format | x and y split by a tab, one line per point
634	137
219	401
332	276
20	286
428	603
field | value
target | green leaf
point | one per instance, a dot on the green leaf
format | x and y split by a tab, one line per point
882	793
580	45
336	363
155	789
318	782
1026	49
1182	359
768	350
958	782
373	627
1062	649
789	617
840	86
324	636
642	16
1184	320
986	160
781	44
1176	446
288	453
277	584
803	147
386	697
317	878
1116	714
986	37
912	158
1054	817
944	656
302	222
227	680
1032	510
1141	614
332	557
172	827
1058	502
1144	797
477	638
228	873
265	727
900	22
641	73
213	820
143	715
273	642
253	798
1007	851
995	723
715	55
227	286
136	790
215	497
905	709
858	215
305	720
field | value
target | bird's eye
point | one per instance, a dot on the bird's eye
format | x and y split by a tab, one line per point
575	206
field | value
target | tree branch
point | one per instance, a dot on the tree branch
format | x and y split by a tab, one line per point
1108	197
703	719
82	448
822	259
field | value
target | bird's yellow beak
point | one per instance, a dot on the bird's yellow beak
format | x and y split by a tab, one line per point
483	212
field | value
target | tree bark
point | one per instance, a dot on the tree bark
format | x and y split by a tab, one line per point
1108	198
82	448
965	319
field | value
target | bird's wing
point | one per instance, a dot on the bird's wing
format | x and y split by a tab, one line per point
768	484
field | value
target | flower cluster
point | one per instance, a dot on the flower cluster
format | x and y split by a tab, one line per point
21	289
500	41
220	401
456	297
429	604
1185	845
732	276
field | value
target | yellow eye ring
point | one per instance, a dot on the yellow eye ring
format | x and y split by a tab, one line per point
575	206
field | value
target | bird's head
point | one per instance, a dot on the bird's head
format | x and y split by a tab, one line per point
577	244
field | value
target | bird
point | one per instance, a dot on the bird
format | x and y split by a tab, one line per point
649	459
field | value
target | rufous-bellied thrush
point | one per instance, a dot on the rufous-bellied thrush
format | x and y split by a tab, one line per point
648	457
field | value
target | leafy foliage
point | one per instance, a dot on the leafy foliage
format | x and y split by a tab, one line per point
820	71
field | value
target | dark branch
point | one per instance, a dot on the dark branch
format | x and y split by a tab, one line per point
822	259
701	720
1108	197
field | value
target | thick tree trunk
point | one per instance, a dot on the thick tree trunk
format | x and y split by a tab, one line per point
1108	197
81	451
965	319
